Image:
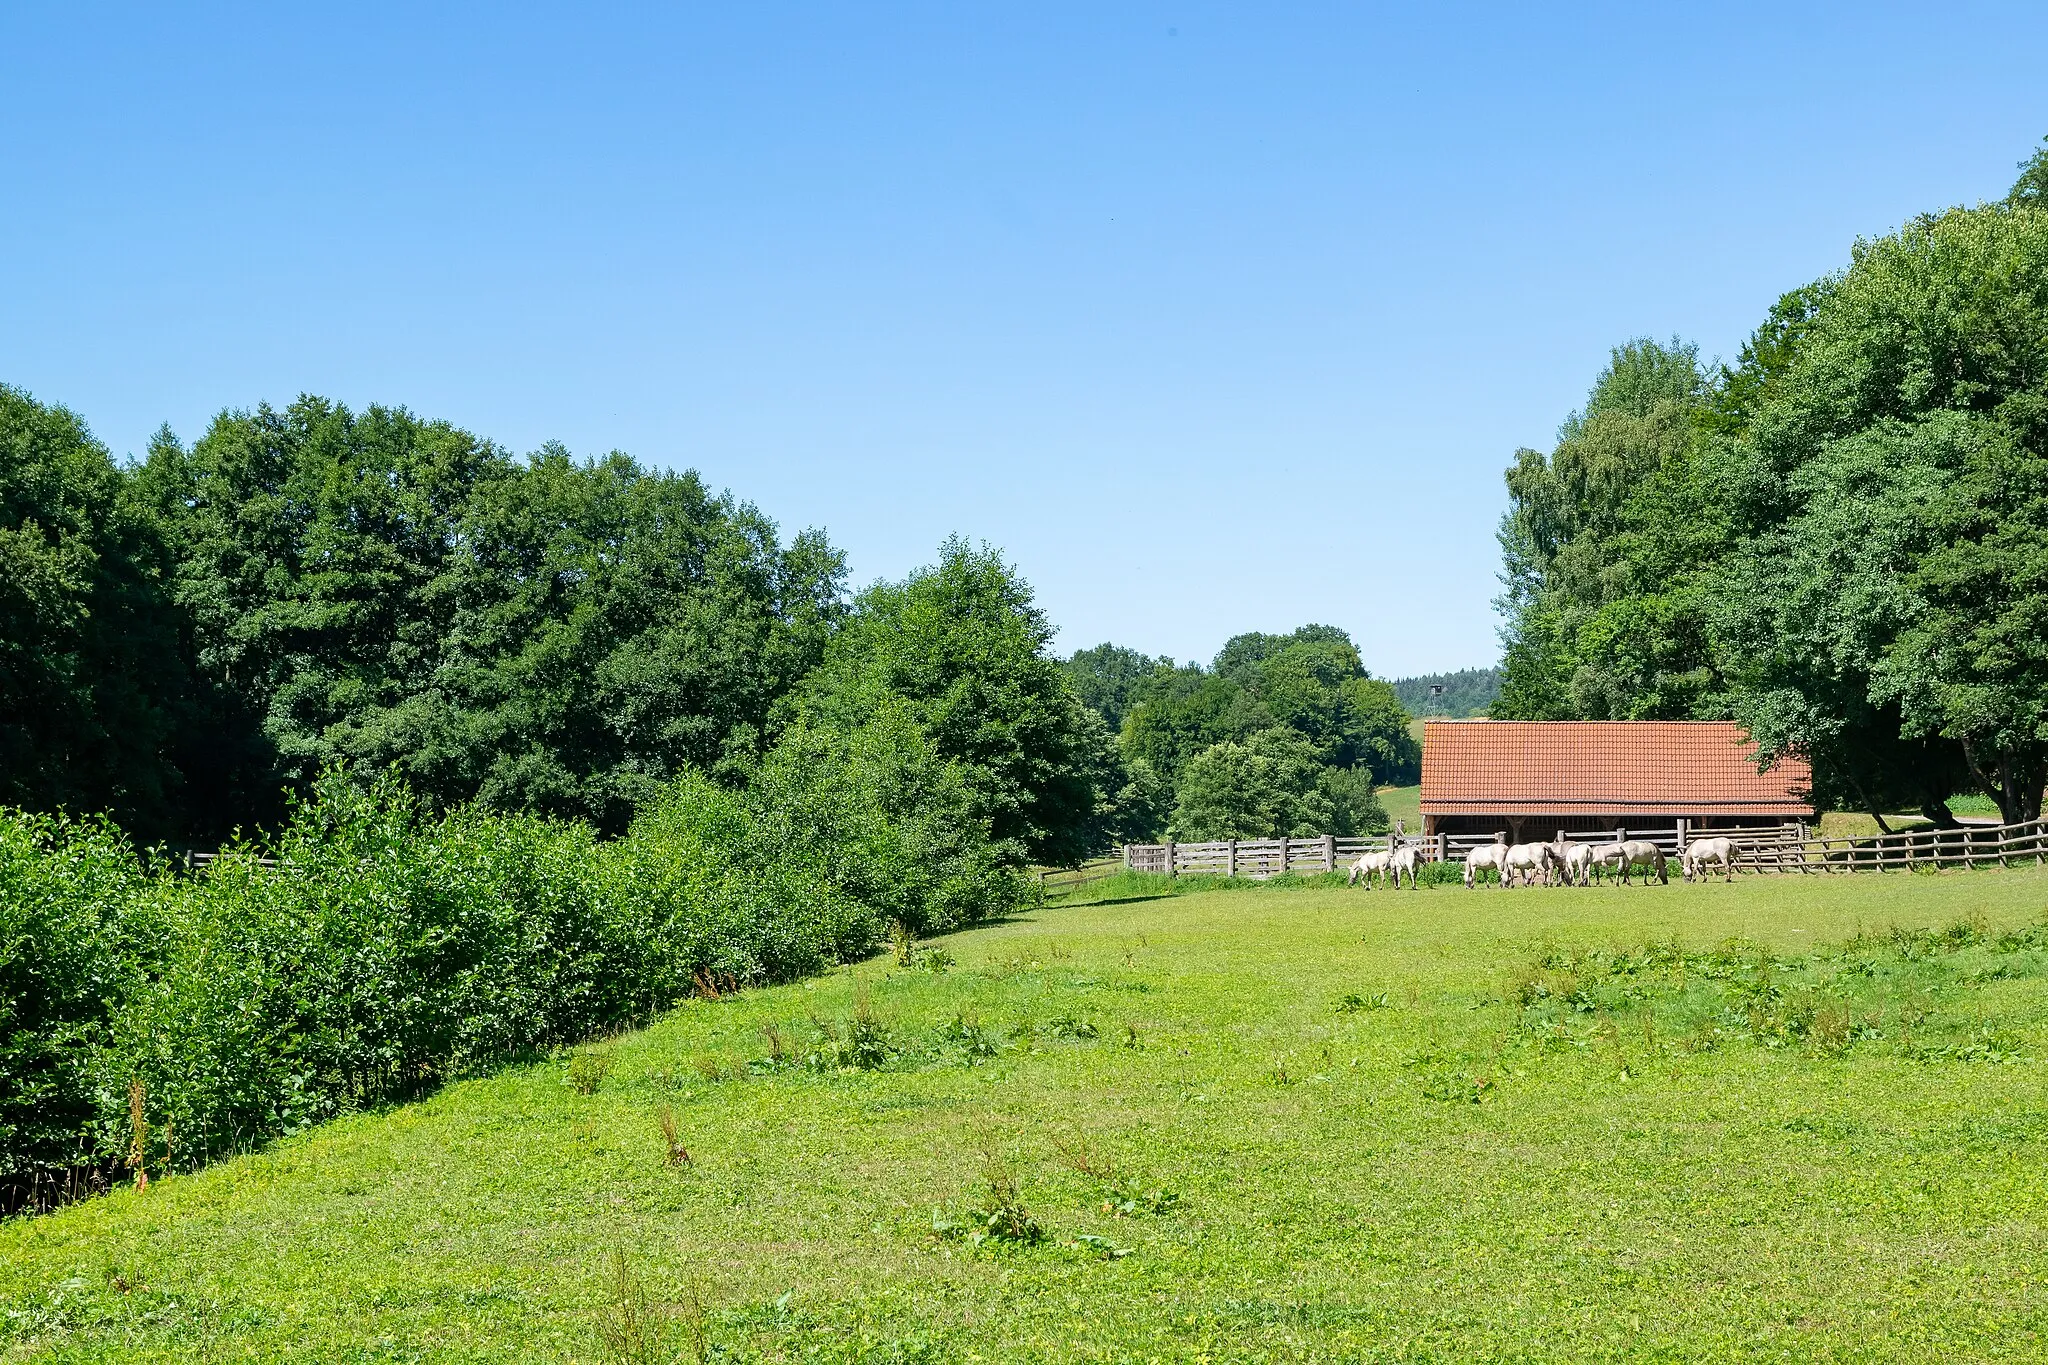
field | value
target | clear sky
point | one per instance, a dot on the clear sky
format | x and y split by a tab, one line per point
1214	318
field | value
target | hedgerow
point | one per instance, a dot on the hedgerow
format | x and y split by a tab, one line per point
373	948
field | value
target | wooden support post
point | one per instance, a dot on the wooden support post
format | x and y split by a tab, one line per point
1172	866
1230	860
1684	834
1127	857
1329	853
1443	847
1283	853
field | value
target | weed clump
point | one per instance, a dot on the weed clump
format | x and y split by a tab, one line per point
996	1212
976	1043
588	1068
1123	1195
671	1137
635	1330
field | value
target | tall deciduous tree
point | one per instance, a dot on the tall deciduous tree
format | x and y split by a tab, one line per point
1604	545
962	646
1897	473
93	682
1112	678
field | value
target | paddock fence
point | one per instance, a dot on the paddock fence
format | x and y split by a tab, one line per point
1790	847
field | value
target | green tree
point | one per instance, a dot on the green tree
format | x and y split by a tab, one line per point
1894	474
1605	545
1269	785
1112	679
1241	656
2031	189
1320	690
93	677
541	634
1184	712
962	645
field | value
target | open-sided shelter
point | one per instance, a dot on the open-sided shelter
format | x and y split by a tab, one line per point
1533	778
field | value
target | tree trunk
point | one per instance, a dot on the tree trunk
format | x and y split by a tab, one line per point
1998	791
1941	815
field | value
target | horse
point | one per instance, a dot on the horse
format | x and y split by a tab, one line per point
1529	861
1371	865
1700	853
1631	854
1577	860
1493	855
1409	859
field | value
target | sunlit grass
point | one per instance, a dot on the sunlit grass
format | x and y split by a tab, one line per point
1293	1124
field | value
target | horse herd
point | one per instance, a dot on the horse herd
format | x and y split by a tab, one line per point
1561	860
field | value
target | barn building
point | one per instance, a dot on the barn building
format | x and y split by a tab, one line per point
1534	778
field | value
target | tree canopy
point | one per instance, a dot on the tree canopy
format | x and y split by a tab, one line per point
538	634
1280	732
962	649
1835	541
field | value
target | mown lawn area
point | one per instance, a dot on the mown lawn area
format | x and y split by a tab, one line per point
1252	1125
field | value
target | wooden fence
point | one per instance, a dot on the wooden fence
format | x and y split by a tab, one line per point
1785	848
1969	846
196	859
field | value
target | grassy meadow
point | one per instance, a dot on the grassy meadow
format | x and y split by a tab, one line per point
1717	1122
1404	804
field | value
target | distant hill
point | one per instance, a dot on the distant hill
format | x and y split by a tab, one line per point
1467	692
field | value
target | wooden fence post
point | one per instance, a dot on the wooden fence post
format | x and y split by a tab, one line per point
1172	863
1443	847
1230	860
1684	830
1329	853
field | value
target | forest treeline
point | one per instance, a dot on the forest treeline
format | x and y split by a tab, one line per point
1841	540
1467	692
1280	735
188	639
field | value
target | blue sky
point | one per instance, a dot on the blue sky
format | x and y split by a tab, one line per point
1214	318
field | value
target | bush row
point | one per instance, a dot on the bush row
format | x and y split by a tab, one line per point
155	1019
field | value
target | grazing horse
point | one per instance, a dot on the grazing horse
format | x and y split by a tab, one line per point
1493	855
1409	859
1577	860
1701	853
1609	855
1631	854
1530	861
1368	867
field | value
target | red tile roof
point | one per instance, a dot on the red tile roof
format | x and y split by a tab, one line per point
1651	767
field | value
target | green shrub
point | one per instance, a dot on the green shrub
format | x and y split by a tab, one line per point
75	920
374	948
386	950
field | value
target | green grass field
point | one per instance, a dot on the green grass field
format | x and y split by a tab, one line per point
1404	804
1252	1125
